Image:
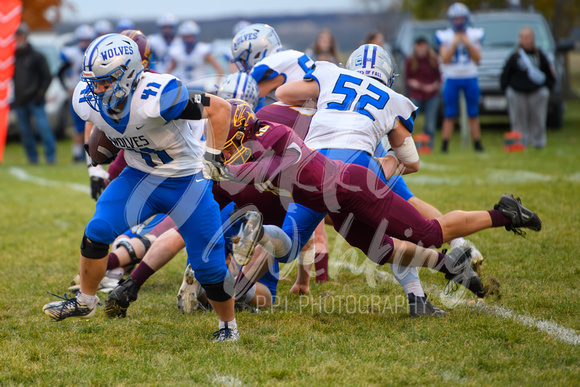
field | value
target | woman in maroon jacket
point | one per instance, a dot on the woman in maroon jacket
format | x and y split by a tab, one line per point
423	78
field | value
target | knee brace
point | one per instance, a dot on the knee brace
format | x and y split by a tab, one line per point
130	250
93	250
146	242
221	291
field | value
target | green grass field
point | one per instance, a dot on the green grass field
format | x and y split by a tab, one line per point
354	330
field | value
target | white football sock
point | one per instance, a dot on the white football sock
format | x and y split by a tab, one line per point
231	324
90	301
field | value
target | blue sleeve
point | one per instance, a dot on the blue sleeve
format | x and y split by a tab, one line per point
173	100
409	123
309	76
262	73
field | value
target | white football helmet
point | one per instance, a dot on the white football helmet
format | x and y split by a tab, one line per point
240	86
114	58
103	27
167	20
240	26
252	44
373	61
188	28
125	24
84	32
457	10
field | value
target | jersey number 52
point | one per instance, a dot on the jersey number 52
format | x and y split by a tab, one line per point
360	101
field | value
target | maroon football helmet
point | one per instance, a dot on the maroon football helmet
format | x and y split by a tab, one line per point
143	44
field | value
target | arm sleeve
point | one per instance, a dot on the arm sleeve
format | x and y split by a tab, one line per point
194	107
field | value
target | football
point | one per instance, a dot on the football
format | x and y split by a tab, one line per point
101	149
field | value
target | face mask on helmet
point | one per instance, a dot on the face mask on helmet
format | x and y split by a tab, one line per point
240	86
242	118
458	15
373	61
253	44
111	68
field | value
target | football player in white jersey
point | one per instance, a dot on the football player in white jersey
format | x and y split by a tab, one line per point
146	114
356	110
68	74
460	51
189	57
257	49
161	42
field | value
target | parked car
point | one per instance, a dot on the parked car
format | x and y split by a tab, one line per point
501	38
56	99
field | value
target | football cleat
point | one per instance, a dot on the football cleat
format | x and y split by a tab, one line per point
476	256
121	297
520	216
249	235
70	307
419	306
187	294
226	334
462	273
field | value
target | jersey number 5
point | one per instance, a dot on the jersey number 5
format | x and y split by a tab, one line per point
350	96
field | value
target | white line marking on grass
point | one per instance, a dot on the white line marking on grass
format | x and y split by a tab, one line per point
227	380
561	333
21	174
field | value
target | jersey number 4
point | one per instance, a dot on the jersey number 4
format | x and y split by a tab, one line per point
361	101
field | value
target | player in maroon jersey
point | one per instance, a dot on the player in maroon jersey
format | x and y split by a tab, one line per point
374	220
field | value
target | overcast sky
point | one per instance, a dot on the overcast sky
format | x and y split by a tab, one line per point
151	9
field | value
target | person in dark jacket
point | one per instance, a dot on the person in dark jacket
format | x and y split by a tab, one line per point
423	78
31	80
527	79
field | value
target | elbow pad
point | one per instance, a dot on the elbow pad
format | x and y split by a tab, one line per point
407	152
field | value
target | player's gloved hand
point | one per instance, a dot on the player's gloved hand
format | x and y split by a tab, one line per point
99	180
214	168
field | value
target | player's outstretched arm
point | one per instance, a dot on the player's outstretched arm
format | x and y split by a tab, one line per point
218	114
298	92
404	146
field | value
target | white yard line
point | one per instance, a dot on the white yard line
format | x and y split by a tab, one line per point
561	333
21	174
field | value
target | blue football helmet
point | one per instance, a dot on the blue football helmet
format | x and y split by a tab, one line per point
114	58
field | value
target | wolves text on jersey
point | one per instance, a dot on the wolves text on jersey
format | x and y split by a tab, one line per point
130	142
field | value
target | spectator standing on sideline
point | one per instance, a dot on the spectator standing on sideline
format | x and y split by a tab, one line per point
375	37
527	79
324	48
31	80
460	51
423	78
70	75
